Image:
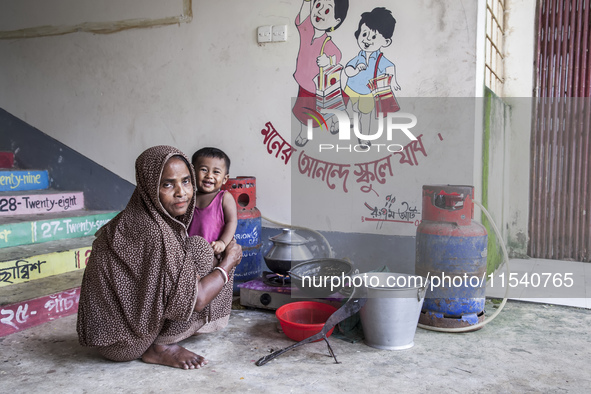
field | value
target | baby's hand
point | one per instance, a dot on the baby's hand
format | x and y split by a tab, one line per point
218	246
361	67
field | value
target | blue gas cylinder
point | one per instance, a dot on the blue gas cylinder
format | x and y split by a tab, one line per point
451	251
248	231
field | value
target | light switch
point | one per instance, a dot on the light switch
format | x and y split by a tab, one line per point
280	33
264	34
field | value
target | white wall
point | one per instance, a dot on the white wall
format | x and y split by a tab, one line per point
208	82
54	14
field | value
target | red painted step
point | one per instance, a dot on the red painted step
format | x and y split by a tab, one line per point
6	159
30	313
39	300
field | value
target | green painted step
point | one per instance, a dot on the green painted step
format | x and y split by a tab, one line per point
32	229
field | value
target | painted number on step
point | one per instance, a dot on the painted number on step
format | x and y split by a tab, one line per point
7	204
20	316
46	228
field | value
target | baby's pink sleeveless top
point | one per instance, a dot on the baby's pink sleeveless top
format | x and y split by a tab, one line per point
209	221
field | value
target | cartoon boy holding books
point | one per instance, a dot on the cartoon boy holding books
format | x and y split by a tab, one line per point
375	32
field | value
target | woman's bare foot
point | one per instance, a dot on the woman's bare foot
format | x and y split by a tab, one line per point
173	356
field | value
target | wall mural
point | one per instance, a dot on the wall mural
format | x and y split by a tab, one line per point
376	184
318	58
371	76
366	84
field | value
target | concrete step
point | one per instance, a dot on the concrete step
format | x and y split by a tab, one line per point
41	201
40	283
19	180
6	159
26	263
33	303
31	229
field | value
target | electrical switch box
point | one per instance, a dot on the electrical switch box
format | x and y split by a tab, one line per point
280	33
264	34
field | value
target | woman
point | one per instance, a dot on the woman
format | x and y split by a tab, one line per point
148	285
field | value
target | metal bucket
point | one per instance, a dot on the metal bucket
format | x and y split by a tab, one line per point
390	316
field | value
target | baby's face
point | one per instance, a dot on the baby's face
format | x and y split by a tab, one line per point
322	15
370	40
211	174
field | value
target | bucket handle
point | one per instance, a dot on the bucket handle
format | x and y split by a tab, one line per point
347	291
421	291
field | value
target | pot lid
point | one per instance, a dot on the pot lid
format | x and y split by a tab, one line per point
289	237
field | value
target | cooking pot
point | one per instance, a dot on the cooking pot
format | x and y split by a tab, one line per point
319	274
288	248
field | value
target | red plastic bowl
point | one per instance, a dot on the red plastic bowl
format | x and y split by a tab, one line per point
302	319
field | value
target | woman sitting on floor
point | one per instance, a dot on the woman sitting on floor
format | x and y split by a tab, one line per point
148	285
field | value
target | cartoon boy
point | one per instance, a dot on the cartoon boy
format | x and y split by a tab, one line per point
316	18
374	32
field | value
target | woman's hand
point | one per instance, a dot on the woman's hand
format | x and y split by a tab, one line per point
210	285
231	257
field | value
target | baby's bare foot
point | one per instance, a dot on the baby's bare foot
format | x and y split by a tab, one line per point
173	356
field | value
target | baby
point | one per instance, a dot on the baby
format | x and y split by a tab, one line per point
215	217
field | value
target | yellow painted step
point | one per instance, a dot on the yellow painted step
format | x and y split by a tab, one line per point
20	264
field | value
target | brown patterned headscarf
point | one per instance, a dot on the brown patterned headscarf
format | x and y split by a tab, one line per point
140	284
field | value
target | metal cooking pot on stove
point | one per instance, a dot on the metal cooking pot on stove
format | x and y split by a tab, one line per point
288	249
318	270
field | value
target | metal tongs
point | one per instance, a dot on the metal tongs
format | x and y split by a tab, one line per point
352	306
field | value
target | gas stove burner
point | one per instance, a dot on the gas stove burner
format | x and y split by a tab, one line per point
276	280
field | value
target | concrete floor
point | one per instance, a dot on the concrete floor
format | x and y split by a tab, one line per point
527	348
